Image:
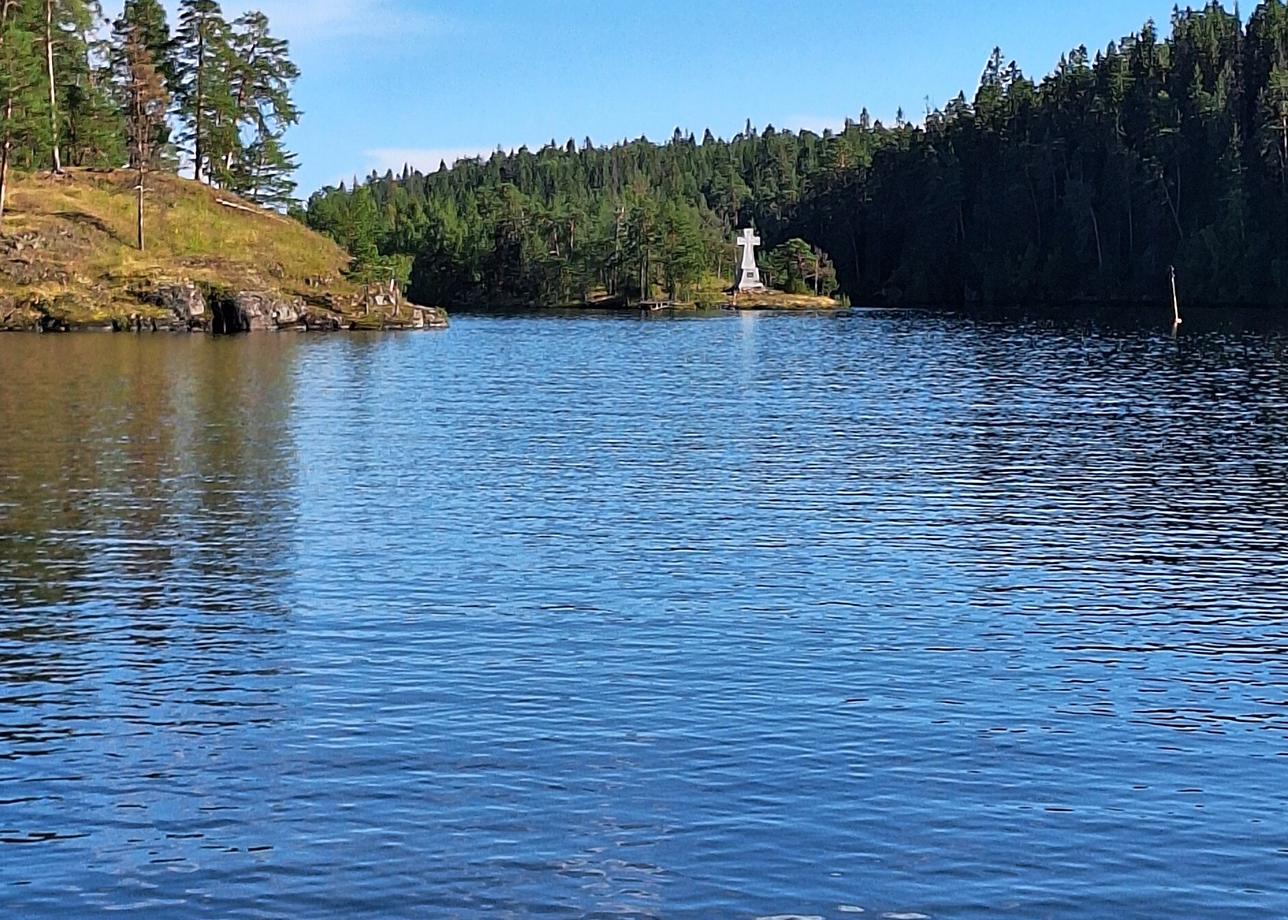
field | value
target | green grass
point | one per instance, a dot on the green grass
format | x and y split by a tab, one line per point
73	239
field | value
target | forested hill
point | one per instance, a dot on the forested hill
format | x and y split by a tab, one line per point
1087	184
569	223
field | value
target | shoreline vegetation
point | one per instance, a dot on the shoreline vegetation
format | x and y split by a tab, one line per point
769	301
1091	185
1084	186
709	300
86	244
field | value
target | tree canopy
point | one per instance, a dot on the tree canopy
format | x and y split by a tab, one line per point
70	93
1084	185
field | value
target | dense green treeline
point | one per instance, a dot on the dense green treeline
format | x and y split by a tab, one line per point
1087	184
75	93
571	223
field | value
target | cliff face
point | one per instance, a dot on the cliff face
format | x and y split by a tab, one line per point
214	263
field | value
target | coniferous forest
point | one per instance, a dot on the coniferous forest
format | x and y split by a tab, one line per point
213	95
1085	185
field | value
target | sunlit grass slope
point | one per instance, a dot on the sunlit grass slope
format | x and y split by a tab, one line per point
70	241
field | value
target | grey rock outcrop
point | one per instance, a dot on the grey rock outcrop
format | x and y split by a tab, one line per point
186	303
260	311
181	305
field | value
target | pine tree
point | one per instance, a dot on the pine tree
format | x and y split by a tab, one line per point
145	101
1273	104
263	173
202	89
684	257
52	86
91	125
261	75
148	19
22	117
9	85
64	28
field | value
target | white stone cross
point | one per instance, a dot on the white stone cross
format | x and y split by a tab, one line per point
749	274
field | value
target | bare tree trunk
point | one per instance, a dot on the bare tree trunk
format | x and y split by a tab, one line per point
5	145
198	121
7	141
53	93
142	177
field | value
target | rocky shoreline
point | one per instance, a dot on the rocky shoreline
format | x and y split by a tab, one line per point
214	264
185	306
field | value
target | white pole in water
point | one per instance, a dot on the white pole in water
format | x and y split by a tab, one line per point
1176	301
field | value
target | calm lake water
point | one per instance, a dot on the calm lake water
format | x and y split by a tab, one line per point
901	613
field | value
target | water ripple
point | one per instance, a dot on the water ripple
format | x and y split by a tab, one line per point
745	617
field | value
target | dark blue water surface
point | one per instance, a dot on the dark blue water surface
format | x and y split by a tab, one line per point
904	614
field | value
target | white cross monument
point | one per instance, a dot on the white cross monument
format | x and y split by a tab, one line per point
749	273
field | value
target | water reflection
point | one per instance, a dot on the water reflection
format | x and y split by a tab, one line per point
145	553
927	614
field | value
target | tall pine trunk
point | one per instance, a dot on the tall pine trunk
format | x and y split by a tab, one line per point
142	177
6	141
53	92
199	107
240	103
258	181
6	144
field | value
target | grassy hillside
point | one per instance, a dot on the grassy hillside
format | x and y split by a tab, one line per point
67	251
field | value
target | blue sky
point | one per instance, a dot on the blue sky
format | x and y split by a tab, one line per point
389	81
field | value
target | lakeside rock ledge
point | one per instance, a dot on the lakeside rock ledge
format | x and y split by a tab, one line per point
215	264
185	306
